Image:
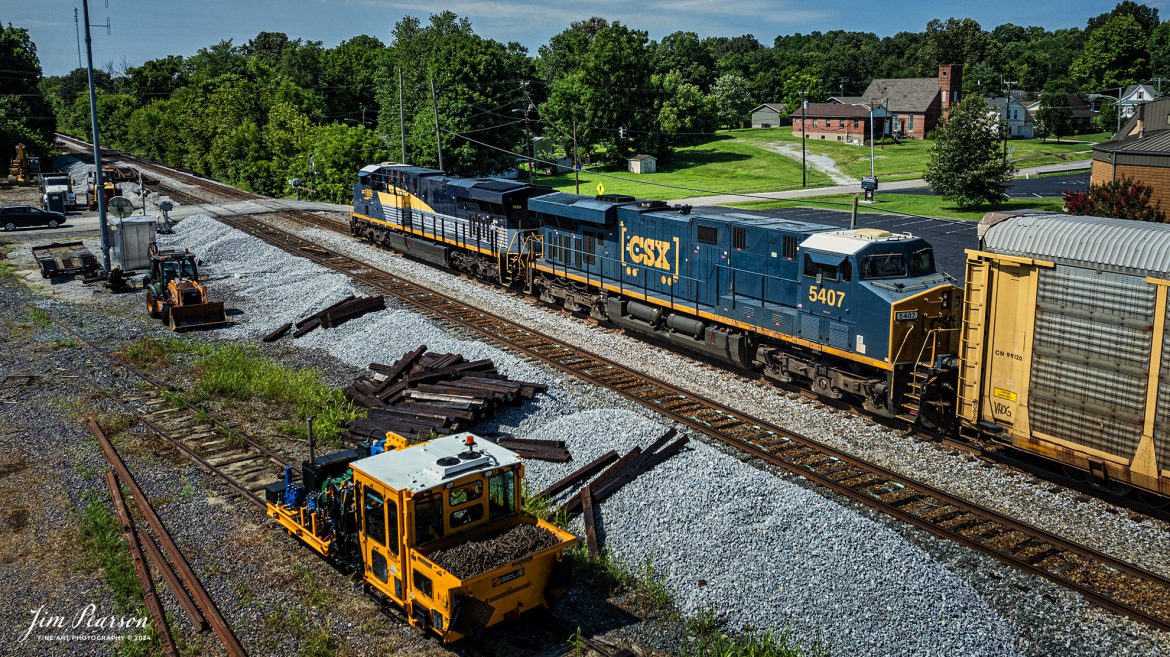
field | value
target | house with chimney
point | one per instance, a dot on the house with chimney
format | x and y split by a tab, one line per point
837	121
917	105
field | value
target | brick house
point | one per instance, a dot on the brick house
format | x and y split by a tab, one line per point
916	105
1141	150
838	122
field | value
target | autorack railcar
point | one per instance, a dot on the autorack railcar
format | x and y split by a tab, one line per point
1065	350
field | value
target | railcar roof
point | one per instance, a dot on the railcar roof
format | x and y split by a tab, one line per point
1120	245
434	463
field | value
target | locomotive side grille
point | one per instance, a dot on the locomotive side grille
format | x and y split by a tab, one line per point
1090	359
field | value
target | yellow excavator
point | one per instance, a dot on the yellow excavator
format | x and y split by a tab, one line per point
175	294
24	168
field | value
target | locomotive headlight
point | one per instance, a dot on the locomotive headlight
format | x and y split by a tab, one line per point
946	300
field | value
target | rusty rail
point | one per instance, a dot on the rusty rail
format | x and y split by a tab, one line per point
150	597
218	624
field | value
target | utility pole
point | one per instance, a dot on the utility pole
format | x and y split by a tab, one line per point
803	168
576	167
1119	90
528	141
99	186
871	168
77	32
1007	105
401	116
435	106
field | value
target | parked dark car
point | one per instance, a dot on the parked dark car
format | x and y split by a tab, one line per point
20	216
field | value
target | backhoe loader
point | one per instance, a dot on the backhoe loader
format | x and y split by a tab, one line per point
174	293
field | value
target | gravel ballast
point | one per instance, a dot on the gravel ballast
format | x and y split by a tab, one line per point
770	552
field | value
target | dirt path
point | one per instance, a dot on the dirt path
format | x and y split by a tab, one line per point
822	163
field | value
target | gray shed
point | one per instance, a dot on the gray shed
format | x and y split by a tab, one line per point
768	115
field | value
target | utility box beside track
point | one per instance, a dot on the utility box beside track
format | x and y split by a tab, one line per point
1064	351
131	238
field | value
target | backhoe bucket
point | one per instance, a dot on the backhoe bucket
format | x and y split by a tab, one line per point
198	316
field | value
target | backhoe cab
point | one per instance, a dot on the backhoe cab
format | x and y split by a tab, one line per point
174	293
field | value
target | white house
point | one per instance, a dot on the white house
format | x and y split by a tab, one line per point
1014	115
1134	95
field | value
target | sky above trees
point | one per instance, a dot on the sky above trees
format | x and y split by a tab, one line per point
146	29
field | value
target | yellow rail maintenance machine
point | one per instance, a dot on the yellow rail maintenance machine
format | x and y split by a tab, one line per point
436	528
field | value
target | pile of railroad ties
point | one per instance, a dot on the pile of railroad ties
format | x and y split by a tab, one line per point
331	316
425	394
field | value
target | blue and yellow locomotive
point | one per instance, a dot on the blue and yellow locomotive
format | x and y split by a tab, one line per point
858	314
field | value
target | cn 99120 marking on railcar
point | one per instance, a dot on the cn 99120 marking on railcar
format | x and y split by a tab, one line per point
861	315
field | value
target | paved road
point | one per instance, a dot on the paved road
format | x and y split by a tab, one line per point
1046	187
896	185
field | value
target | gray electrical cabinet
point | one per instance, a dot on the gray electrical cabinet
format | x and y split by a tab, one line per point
131	238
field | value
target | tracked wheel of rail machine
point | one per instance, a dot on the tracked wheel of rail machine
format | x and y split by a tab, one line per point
174	293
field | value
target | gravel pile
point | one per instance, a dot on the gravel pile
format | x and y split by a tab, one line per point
1086	520
262	286
477	557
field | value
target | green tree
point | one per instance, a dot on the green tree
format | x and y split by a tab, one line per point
801	86
686	111
684	53
733	100
955	41
25	116
609	96
1106	119
1115	54
339	150
1054	116
1160	50
349	78
1144	15
965	164
155	79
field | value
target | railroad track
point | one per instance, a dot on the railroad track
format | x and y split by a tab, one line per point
239	461
1108	582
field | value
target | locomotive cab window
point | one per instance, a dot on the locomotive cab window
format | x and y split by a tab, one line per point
821	270
466	493
922	262
884	265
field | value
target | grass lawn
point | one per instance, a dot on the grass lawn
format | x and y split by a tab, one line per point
722	164
744	161
914	204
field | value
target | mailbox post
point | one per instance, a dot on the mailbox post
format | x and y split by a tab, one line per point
869	184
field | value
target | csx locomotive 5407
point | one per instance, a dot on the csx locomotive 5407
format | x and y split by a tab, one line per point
1059	347
861	314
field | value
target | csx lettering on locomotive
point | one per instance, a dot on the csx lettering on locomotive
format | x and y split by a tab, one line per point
649	252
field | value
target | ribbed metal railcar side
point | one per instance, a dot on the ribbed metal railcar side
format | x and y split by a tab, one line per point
1065	351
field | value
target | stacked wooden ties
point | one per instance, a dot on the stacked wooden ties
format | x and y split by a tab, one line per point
426	394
